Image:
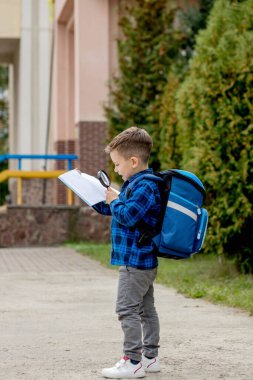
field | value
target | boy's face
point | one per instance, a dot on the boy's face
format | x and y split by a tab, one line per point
124	167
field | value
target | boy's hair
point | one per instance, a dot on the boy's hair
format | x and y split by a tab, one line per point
132	142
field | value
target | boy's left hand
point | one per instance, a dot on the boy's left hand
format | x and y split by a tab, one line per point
111	195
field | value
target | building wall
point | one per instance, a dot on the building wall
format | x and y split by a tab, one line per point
92	65
10	18
91	58
84	60
33	81
25	44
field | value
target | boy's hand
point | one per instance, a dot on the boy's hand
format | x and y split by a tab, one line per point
110	195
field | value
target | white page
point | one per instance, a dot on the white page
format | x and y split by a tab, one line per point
87	187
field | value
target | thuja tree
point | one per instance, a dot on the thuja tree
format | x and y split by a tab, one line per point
215	116
148	45
190	21
3	109
3	126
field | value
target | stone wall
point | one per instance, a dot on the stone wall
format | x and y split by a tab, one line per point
51	225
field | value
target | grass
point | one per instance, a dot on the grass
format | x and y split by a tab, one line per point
202	276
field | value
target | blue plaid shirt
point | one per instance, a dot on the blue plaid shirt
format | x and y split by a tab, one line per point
142	205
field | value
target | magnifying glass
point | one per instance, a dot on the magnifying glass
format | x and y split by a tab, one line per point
104	178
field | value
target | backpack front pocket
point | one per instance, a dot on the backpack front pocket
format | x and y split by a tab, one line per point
179	231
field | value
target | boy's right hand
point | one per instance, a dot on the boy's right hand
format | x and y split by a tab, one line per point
110	195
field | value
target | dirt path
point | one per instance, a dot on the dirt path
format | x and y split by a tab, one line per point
57	321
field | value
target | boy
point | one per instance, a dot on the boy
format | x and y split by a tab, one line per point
130	152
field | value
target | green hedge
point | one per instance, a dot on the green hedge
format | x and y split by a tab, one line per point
214	111
191	20
4	120
4	111
206	114
155	36
146	50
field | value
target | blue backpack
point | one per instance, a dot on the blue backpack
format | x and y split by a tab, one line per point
183	221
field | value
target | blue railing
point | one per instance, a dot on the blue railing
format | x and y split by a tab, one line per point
20	157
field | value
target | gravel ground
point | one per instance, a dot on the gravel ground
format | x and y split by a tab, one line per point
57	321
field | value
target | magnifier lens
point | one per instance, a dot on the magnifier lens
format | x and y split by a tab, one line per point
104	178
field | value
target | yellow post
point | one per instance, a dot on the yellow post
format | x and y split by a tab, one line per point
70	197
19	174
19	192
51	10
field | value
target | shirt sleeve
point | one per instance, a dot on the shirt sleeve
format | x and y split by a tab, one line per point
132	211
102	208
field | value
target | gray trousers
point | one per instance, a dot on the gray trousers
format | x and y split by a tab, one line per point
136	311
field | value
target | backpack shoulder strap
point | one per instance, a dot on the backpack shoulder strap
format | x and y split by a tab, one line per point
151	177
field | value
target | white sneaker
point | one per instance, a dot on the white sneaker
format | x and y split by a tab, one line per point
150	365
124	369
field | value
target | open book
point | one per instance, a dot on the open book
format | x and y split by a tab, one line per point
87	187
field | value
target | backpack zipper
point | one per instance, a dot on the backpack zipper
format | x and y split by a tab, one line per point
190	180
186	201
200	228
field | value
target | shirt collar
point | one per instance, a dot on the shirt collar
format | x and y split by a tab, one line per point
140	174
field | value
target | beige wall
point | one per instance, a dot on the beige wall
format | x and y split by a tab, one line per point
85	59
25	44
10	11
62	9
91	59
63	79
85	33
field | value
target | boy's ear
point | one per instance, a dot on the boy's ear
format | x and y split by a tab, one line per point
135	161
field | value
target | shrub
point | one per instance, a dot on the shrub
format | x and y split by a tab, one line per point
215	124
146	50
3	109
3	127
190	21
